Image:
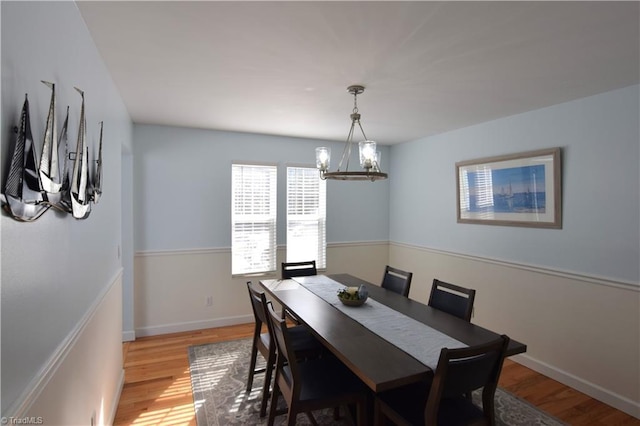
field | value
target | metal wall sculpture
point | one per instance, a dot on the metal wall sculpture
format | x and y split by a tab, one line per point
31	187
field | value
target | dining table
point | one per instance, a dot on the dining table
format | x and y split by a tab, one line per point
366	340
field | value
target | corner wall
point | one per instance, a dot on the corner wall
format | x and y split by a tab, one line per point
600	140
182	214
182	187
571	294
58	272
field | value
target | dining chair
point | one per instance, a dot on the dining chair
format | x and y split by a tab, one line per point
397	280
303	343
452	299
298	269
312	384
459	372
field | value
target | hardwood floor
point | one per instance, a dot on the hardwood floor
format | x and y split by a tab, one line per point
157	385
157	389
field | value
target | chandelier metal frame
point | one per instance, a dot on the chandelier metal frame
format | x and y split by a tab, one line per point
371	167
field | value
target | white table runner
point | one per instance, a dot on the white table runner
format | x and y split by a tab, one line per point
415	338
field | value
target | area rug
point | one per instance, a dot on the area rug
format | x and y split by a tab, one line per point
219	374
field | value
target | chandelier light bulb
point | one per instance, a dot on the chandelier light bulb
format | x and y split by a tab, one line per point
323	157
367	154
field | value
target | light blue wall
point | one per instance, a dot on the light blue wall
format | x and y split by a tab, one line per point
600	236
54	269
182	188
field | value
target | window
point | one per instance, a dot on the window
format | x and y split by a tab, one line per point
253	216
306	216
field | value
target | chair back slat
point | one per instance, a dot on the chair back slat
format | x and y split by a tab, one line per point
286	362
298	269
258	304
468	374
452	299
397	280
463	370
262	343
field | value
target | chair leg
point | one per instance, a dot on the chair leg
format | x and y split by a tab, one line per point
274	403
488	407
378	417
291	419
252	365
292	414
356	414
361	409
311	418
266	386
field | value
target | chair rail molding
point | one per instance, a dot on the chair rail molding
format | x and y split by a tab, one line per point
592	279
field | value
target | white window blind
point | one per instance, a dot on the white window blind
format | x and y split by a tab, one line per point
306	216
253	216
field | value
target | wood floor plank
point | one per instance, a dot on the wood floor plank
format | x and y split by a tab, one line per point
157	389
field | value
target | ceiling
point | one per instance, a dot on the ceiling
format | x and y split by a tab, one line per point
282	68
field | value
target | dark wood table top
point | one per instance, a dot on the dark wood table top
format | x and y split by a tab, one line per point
378	363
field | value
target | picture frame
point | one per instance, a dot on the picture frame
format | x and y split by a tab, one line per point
523	189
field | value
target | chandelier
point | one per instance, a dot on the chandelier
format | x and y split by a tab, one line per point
369	157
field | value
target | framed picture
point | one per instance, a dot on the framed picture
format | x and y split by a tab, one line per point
522	189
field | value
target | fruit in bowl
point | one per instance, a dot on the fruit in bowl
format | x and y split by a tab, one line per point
353	296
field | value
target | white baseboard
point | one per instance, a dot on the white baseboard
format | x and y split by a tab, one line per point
610	398
193	325
116	398
128	336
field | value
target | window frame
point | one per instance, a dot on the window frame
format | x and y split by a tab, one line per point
265	218
317	220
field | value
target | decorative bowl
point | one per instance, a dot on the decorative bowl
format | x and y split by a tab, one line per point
347	302
352	296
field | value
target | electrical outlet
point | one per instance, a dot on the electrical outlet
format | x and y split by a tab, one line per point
209	301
